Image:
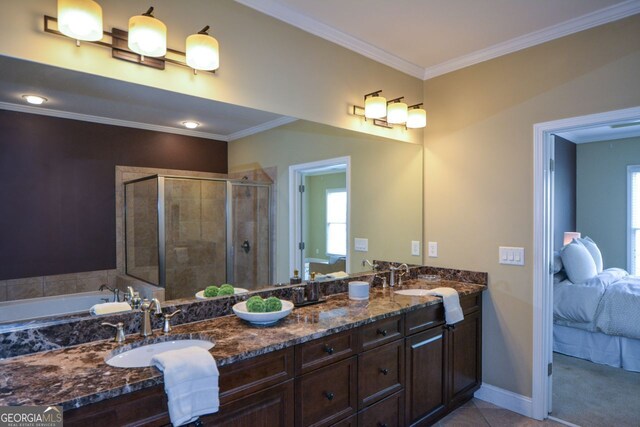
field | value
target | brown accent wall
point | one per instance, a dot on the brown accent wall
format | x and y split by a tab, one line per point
57	191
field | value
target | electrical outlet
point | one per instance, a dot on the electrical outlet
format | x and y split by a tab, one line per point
415	248
361	245
433	249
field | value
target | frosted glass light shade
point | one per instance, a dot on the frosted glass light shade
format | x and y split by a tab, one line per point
569	236
397	113
147	36
416	118
375	107
80	19
203	52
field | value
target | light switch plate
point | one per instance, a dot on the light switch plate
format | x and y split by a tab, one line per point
511	255
433	249
360	244
415	248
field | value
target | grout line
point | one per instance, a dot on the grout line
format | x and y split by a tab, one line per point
482	413
558	420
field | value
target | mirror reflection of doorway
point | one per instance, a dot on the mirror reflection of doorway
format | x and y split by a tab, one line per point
321	218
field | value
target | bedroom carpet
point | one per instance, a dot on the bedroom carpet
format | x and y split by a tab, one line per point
592	395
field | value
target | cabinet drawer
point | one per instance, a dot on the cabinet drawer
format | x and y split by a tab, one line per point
424	318
380	373
323	351
388	413
381	332
327	395
470	303
352	421
249	376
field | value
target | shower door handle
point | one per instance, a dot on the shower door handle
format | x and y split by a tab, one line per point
246	246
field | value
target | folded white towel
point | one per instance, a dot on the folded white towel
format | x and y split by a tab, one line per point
109	307
451	301
190	381
338	275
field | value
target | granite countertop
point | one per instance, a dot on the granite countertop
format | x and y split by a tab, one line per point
77	376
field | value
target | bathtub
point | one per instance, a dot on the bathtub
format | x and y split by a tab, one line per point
36	308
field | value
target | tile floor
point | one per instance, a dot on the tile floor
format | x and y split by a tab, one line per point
478	413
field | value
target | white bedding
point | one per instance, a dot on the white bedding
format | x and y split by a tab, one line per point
610	301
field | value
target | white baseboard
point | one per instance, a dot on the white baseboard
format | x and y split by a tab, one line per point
505	399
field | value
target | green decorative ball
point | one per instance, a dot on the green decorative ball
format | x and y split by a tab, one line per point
211	291
256	305
273	304
226	290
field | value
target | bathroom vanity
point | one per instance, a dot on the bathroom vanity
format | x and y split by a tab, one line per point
390	361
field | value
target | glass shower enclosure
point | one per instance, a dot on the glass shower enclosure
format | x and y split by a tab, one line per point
186	233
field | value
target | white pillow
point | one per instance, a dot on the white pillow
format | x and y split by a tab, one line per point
578	262
594	251
557	262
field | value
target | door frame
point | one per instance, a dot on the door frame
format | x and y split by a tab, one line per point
543	147
296	173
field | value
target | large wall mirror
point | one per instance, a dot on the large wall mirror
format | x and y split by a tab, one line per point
95	197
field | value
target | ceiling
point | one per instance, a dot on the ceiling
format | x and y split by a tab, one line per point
608	132
88	97
426	38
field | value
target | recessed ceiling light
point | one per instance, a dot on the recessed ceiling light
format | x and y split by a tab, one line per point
34	99
190	124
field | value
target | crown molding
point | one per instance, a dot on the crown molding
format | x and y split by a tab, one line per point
107	121
581	23
317	28
261	128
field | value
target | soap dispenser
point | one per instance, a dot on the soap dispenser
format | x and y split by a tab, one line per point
313	289
296	279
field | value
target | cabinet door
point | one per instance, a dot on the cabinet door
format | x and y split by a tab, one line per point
425	368
465	356
272	407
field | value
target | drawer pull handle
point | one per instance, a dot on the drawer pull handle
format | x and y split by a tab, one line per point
382	332
328	349
328	395
384	371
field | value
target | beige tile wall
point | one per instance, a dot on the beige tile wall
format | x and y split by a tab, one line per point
60	284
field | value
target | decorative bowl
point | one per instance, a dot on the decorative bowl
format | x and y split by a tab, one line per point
240	309
237	291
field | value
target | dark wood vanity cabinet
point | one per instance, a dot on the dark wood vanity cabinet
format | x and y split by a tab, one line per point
402	370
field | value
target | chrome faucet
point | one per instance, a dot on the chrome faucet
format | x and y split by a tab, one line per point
146	308
392	271
116	292
374	267
133	298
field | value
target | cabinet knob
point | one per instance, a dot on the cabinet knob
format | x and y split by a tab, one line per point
328	395
384	371
328	349
382	332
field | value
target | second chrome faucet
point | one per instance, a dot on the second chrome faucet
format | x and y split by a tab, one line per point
154	305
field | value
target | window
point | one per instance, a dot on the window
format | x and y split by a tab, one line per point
337	221
633	221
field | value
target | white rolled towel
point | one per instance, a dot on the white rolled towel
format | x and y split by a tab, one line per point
451	301
109	307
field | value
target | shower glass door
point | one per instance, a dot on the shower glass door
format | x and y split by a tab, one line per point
249	260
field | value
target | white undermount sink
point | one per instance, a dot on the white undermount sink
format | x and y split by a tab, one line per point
414	292
140	357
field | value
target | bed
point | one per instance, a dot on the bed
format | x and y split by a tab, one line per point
598	318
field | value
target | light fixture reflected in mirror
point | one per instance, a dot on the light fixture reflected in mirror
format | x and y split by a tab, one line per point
80	19
147	35
34	99
396	111
416	117
203	52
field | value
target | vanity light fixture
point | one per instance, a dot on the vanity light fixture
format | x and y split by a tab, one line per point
189	124
80	19
416	117
389	113
35	99
396	111
145	43
147	35
203	52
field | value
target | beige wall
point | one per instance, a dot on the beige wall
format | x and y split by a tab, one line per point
601	195
386	190
479	167
264	63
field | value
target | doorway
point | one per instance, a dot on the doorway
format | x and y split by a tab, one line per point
319	217
544	165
